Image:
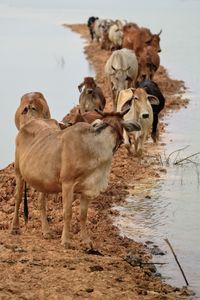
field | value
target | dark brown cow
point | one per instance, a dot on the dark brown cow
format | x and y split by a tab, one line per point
90	24
91	97
149	62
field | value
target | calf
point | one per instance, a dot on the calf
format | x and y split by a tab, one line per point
141	111
91	97
33	105
76	159
152	88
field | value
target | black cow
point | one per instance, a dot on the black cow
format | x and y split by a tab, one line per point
153	89
90	24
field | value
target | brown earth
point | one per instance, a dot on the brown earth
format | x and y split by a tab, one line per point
34	268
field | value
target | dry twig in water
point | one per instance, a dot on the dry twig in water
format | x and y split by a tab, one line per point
178	150
176	259
185	158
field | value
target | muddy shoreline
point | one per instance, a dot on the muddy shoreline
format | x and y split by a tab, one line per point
34	268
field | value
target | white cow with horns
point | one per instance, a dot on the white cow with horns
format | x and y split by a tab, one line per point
121	70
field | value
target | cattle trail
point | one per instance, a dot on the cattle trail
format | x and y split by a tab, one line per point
34	268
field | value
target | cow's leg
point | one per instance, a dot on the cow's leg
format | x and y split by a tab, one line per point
18	200
127	141
83	219
43	211
130	83
154	128
67	197
91	34
140	145
114	96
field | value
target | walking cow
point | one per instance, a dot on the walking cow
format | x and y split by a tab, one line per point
152	88
139	103
121	70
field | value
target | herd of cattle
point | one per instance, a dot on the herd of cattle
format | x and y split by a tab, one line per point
75	157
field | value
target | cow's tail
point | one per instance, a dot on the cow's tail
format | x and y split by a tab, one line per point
25	204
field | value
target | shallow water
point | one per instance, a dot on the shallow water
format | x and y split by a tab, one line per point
173	210
36	53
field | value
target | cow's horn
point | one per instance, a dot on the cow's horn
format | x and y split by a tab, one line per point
160	32
103	114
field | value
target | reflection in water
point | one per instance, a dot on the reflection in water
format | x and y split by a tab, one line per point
60	61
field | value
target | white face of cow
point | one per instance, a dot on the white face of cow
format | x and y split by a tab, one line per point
119	80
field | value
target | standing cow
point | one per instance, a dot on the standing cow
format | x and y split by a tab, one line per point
90	24
115	34
152	88
121	70
137	38
141	111
149	62
91	97
74	160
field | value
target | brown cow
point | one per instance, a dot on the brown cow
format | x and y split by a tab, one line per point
91	97
74	160
33	105
75	116
149	62
138	38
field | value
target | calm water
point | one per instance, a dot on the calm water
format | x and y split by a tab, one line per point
37	54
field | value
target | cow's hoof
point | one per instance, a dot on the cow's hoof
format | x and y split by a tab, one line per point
139	153
87	244
67	245
129	149
47	235
155	137
15	230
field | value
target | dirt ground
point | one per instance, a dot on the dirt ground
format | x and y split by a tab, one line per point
34	268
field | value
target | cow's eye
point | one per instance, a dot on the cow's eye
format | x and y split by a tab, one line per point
136	98
25	110
33	108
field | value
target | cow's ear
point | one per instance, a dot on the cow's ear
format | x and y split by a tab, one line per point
80	86
153	100
131	125
127	104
